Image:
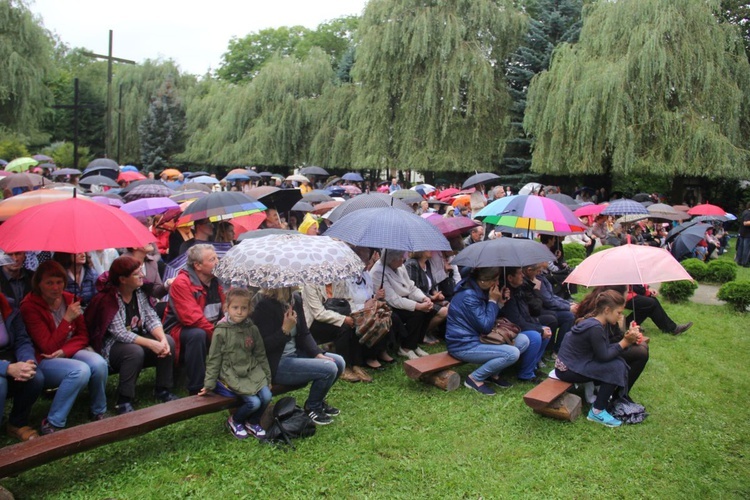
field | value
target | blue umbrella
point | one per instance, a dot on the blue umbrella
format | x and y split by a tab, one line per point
388	227
3	162
625	207
237	177
203	179
688	239
353	177
129	168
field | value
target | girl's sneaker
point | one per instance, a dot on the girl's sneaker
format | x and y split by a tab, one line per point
604	418
255	430
236	428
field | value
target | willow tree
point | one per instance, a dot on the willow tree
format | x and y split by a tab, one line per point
25	62
432	89
652	86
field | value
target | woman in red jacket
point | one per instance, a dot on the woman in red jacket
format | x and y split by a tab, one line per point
55	324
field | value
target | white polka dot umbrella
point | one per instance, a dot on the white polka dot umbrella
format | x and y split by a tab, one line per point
283	260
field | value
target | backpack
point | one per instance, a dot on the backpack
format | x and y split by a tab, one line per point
289	422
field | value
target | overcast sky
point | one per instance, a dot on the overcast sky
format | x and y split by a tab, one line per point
192	33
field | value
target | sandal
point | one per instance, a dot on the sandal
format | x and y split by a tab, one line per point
24	433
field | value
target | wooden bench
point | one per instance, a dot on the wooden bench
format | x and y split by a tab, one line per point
551	399
435	369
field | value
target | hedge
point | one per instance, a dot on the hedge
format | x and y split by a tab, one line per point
696	268
574	251
721	271
678	291
737	293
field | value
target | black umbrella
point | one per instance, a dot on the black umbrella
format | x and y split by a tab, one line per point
317	196
104	162
104	170
98	180
143	182
686	241
302	206
266	174
147	191
566	200
483	178
66	171
313	171
281	199
503	252
372	200
642	197
672	234
190	175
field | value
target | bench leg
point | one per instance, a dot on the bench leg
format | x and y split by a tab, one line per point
566	407
447	380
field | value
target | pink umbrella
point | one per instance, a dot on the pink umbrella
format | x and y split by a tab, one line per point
589	210
450	226
628	265
383	188
351	190
706	209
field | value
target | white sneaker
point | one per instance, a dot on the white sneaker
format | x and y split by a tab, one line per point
420	352
407	353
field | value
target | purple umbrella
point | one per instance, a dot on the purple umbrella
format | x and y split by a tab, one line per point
66	171
43	158
3	163
105	200
145	207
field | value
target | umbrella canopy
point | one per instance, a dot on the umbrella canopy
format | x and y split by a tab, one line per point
199	173
641	197
447	193
280	199
332	180
663	211
503	252
372	200
146	207
21	181
317	196
18	203
424	189
686	240
625	207
303	206
704	209
351	190
352	177
566	200
388	227
625	219
73	226
297	178
483	178
285	260
407	196
106	200
325	207
203	179
171	173
266	174
672	234
450	227
237	177
247	223
260	233
714	218
129	176
222	205
66	171
129	168
192	186
3	163
463	200
103	162
98	180
21	164
151	190
312	170
628	265
531	187
533	213
589	210
104	170
183	196
43	158
174	265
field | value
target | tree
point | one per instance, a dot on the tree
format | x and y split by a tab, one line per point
432	91
163	130
737	12
25	63
652	86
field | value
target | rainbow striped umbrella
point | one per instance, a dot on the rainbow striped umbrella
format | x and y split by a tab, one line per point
533	213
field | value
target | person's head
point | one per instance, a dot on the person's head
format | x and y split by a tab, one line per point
425	205
422	255
49	281
309	225
587	304
125	272
203	229
477	234
283	295
18	259
457	244
498	192
463	210
394	181
224	232
486	277
203	259
606	305
238	304
394	258
151	175
548	239
531	272
513	277
140	253
272	218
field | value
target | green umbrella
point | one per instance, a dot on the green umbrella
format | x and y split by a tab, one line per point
21	164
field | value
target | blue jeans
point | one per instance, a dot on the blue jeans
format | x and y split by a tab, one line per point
293	370
742	256
496	358
253	405
70	375
24	396
533	355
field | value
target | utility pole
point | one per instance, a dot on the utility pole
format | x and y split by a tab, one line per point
108	121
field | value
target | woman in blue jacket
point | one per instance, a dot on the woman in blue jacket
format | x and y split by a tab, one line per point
472	313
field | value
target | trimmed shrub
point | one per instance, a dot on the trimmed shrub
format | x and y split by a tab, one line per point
678	291
721	271
737	293
574	262
603	247
696	268
574	251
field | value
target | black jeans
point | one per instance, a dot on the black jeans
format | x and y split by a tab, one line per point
129	359
193	351
343	337
605	390
415	323
649	307
636	356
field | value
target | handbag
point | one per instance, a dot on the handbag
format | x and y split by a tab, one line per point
372	322
503	333
289	422
340	306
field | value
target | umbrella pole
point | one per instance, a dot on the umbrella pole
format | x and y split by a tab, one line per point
385	259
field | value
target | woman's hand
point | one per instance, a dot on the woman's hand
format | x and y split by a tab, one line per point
380	294
290	321
424	306
323	356
349	321
22	371
546	332
73	311
57	354
496	294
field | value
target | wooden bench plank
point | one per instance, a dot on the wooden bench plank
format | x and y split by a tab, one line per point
546	392
416	368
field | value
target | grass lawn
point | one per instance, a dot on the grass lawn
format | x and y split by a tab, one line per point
399	438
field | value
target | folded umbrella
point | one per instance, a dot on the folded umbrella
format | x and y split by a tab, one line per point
503	252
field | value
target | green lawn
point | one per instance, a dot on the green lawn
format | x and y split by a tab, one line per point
399	438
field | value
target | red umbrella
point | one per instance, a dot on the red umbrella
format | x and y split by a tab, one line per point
450	226
72	226
247	223
130	176
447	193
590	210
706	209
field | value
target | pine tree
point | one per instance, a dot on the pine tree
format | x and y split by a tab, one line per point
162	131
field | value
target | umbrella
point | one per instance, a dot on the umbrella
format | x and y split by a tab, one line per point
312	170
566	200
641	197
145	207
222	205
447	193
237	177
73	226
171	173
98	180
280	199
151	190
533	213
625	219
66	171
483	178
103	162
503	252
424	189
704	209
297	178
277	176
303	206
325	207
183	196
316	196
450	226
104	170
260	233
247	223
372	200
628	265
351	190
713	218
383	189
192	186
681	208
333	180
531	187
672	234
407	196
203	179
266	174
336	191
199	173
106	200
129	176
129	168
663	211
589	210
463	200
18	203
625	207
286	260
388	227
3	163
14	184
173	266
352	177
43	158
686	241
21	164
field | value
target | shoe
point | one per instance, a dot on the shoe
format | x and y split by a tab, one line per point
481	389
24	433
682	328
430	340
388	361
407	353
164	396
238	430
378	368
500	382
419	352
124	408
362	374
330	410
349	375
48	428
255	430
97	417
603	418
319	417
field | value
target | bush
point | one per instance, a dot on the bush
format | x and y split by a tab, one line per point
603	247
677	291
696	268
574	262
721	271
574	251
737	293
